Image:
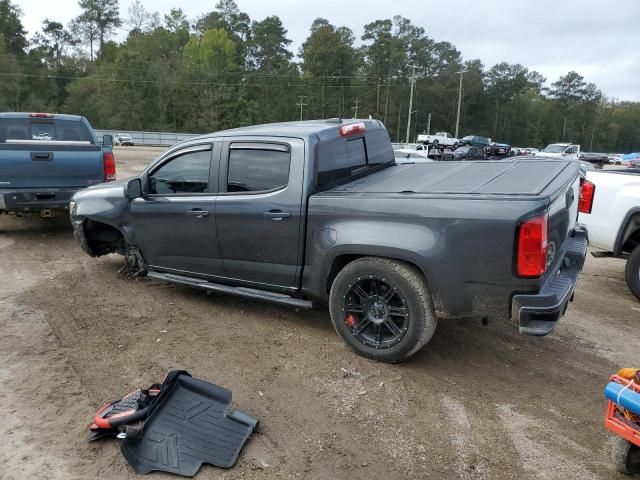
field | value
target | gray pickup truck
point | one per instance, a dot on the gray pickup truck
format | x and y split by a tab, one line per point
318	212
45	158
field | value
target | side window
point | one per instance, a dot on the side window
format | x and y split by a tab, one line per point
186	173
257	167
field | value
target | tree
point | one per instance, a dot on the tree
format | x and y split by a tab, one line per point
269	43
84	29
11	28
53	41
572	91
140	20
176	20
101	15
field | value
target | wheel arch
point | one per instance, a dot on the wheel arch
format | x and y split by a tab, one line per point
629	234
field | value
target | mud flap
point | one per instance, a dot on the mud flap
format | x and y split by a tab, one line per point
188	428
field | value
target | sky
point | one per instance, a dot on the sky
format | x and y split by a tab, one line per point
598	39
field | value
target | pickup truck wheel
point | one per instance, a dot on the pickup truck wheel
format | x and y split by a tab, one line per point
382	309
625	456
632	272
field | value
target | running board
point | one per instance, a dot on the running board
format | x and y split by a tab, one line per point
252	293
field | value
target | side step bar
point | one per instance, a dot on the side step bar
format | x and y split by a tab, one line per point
252	293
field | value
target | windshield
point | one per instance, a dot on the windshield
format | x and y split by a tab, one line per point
555	148
468	138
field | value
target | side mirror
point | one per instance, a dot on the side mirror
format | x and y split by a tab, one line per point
133	189
107	140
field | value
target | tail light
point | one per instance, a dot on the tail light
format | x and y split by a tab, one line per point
587	191
532	246
109	164
352	129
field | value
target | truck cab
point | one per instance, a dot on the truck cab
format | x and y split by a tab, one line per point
564	150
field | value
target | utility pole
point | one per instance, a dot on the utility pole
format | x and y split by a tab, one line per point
413	82
378	98
429	124
592	132
461	72
355	109
301	104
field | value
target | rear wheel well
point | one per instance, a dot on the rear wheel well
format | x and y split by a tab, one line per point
342	261
631	238
103	239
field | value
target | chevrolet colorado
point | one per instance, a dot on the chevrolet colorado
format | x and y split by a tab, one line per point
46	158
313	212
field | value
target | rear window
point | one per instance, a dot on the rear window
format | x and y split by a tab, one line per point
258	169
31	130
343	157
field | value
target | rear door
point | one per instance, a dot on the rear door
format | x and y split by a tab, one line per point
258	212
173	222
48	152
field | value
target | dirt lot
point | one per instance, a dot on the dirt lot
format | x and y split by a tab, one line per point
478	402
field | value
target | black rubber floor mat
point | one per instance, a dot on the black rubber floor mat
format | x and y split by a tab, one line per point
190	427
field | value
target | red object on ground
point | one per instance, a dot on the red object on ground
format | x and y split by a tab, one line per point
615	420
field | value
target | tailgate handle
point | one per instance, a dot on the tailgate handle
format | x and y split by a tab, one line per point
41	155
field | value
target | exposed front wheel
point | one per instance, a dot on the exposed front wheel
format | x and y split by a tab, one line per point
382	309
632	272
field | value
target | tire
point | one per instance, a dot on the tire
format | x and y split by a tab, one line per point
632	272
411	293
625	456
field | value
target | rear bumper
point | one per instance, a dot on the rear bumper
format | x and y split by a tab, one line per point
538	314
35	199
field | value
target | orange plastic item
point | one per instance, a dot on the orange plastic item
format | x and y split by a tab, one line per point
628	373
620	421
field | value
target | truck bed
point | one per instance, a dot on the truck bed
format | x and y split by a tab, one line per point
508	177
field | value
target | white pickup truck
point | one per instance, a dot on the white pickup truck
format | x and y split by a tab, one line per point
564	150
610	209
442	139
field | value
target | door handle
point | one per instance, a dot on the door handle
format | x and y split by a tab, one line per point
197	213
276	215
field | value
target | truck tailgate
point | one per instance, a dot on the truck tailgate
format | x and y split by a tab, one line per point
50	165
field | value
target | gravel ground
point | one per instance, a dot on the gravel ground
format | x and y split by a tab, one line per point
478	402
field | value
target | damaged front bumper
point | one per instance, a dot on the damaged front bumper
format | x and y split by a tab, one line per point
538	314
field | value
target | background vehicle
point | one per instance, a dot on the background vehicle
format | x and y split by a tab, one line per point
499	150
124	139
46	158
442	139
467	152
612	217
475	140
599	160
530	151
565	150
634	163
516	152
314	212
405	155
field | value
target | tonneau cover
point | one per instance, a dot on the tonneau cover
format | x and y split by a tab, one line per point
506	177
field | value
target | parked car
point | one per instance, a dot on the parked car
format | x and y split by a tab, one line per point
530	151
124	139
598	160
565	150
475	140
440	139
610	208
516	151
315	212
468	152
499	150
46	158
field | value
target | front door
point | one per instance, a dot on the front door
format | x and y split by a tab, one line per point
174	222
258	211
